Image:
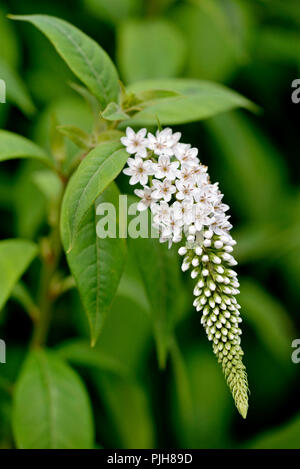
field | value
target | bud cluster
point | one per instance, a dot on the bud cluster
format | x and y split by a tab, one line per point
188	209
215	293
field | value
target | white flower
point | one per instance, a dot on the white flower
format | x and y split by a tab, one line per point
202	193
185	190
183	211
185	154
186	179
200	173
161	212
163	189
165	169
173	228
163	142
187	175
201	216
146	196
135	143
139	170
220	225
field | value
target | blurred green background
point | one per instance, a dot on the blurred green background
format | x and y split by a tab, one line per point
254	47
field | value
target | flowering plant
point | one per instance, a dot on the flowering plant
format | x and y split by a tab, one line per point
74	170
188	209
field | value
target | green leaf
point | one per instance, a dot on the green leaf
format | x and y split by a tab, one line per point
159	269
49	184
87	60
88	97
138	61
14	146
97	263
113	112
112	11
110	136
10	53
153	95
183	388
283	437
80	353
16	91
196	100
268	318
274	44
99	168
207	426
51	406
129	410
78	136
15	257
216	34
245	156
130	343
29	203
69	110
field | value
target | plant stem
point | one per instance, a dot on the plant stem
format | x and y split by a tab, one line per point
51	253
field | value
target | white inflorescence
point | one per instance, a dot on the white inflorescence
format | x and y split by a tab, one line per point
188	209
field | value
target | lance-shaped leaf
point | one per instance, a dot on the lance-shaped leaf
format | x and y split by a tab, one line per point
14	146
78	136
15	89
99	168
195	100
79	353
87	60
160	273
51	406
97	263
15	257
113	112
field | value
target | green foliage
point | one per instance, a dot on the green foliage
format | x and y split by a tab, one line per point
269	319
112	11
247	162
129	411
216	47
284	437
165	57
51	406
87	60
97	263
206	426
159	272
15	89
195	100
96	172
15	257
182	63
14	146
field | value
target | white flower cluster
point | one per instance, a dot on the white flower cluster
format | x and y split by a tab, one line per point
176	186
188	208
